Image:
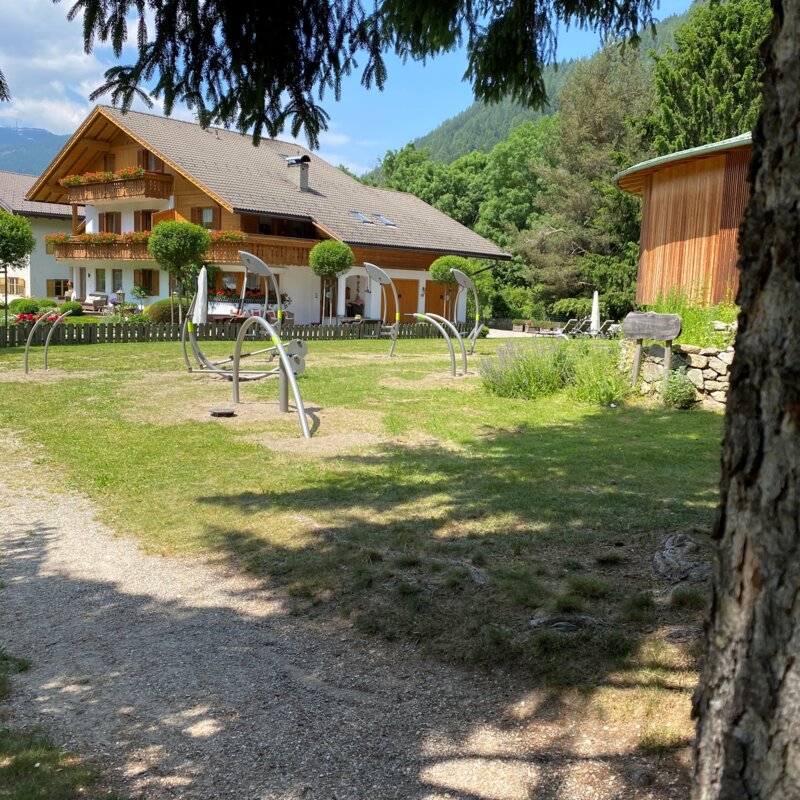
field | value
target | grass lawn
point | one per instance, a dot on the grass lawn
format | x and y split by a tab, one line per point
423	510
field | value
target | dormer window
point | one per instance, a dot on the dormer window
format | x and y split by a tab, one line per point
385	220
363	217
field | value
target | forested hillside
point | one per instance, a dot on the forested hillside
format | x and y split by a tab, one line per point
545	192
482	126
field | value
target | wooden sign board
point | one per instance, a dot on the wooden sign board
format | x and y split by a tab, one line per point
649	325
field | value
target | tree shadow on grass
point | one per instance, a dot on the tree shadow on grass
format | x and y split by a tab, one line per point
202	686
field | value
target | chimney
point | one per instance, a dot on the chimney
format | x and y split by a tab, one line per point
300	165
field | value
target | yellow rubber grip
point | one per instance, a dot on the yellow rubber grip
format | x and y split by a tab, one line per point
397	317
190	326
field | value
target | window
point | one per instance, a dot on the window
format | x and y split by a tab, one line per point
109	162
385	220
116	280
100	280
147	279
150	161
109	222
58	287
143	220
15	285
207	217
363	217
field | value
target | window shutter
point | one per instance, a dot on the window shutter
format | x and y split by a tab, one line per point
239	282
101	223
51	288
217	219
137	277
137	221
249	223
118	222
141	159
196	216
154	290
159	165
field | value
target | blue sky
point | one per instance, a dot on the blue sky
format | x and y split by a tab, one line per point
51	77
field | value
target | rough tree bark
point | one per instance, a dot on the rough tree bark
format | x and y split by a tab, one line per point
748	703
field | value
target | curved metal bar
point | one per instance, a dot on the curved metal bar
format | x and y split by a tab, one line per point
447	323
377	274
255	264
36	324
184	328
465	282
285	366
441	330
50	334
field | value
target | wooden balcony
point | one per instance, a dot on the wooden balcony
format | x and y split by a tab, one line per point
155	185
276	250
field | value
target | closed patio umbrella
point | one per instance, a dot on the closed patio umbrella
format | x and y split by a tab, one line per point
200	315
594	326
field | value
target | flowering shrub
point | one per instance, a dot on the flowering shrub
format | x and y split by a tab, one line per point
29	319
228	236
56	238
135	237
97	238
124	174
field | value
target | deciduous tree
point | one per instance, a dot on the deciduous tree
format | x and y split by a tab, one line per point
16	244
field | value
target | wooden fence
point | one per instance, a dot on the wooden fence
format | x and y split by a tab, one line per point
103	333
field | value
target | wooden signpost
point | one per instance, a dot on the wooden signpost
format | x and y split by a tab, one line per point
641	325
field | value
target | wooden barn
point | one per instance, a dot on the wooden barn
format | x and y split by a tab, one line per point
693	204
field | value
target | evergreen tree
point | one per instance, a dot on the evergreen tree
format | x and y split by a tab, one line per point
708	87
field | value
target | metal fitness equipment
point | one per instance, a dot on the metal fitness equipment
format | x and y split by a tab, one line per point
465	282
289	366
198	314
383	280
448	324
36	324
438	323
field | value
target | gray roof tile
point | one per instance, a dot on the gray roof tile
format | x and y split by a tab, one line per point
13	188
259	179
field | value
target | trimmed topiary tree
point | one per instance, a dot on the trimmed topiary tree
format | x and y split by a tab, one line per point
329	259
441	271
178	248
16	244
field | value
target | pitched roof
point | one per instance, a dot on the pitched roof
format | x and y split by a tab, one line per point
13	188
631	179
259	180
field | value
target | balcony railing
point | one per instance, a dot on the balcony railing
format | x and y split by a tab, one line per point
282	250
155	185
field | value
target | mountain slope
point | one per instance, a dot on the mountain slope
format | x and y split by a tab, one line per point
482	126
28	150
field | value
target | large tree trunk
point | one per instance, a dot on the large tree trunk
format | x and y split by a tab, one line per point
748	703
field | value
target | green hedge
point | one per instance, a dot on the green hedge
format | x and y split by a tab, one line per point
160	310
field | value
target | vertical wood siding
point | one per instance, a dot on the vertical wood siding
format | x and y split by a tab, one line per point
690	225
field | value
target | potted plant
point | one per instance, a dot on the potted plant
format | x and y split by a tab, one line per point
518	325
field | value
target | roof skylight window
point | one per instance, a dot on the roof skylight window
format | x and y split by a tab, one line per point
363	217
385	220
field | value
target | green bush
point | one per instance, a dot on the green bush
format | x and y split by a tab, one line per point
680	391
329	259
527	370
160	310
72	305
596	376
697	320
46	302
24	305
440	269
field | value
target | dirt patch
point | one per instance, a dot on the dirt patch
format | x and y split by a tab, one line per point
436	380
39	375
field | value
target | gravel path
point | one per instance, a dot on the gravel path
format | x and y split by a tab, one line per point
184	680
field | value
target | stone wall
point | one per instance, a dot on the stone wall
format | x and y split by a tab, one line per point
706	367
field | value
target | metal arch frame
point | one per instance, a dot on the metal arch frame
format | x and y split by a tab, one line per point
36	324
460	341
285	370
465	282
255	264
375	273
429	319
